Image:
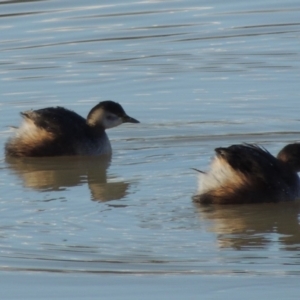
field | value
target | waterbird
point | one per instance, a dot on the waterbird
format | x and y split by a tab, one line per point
248	173
57	131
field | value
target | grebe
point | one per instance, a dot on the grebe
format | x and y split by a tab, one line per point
250	174
57	131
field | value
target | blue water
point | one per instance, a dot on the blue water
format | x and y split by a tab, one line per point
198	75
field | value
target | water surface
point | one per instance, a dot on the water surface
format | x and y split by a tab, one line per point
198	75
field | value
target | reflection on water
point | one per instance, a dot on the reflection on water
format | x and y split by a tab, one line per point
56	173
254	225
200	74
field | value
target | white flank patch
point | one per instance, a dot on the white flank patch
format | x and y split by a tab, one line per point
219	175
27	129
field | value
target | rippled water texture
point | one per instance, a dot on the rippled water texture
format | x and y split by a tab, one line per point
198	75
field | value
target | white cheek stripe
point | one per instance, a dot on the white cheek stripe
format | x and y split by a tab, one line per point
112	123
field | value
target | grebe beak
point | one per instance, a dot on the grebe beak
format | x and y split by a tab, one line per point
127	119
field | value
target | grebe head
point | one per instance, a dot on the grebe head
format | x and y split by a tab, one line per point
290	154
108	114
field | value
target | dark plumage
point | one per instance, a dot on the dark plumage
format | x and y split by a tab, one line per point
57	131
250	174
109	106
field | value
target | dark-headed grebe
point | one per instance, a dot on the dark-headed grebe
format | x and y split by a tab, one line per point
250	174
57	131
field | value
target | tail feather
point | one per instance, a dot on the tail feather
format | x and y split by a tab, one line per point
197	170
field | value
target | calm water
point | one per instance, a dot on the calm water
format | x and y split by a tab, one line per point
197	75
